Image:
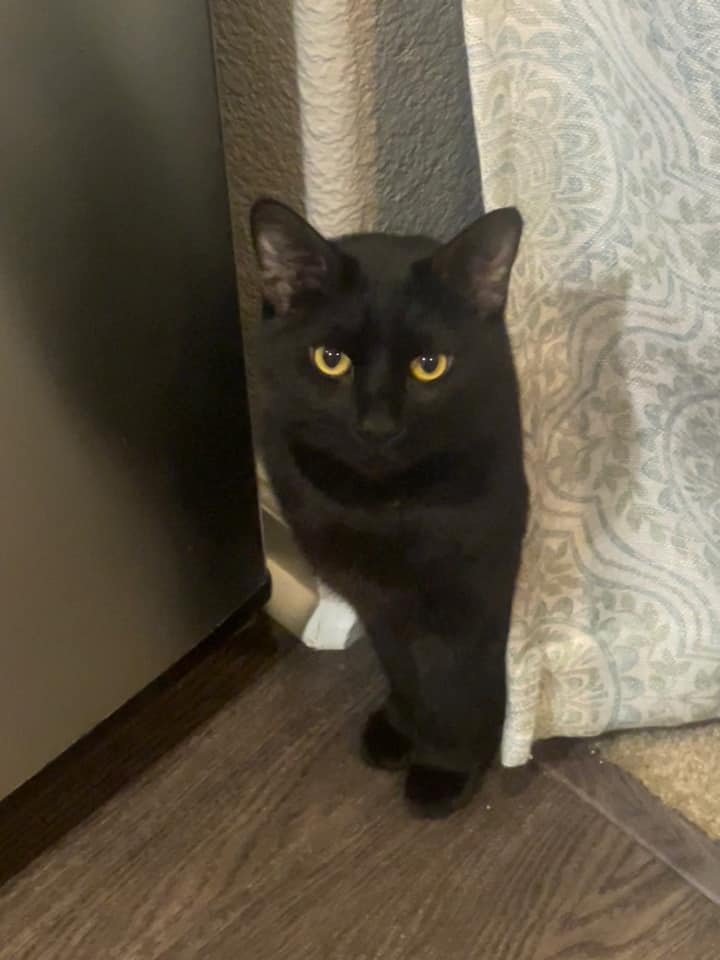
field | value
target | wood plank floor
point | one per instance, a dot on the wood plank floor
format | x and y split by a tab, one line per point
225	816
626	802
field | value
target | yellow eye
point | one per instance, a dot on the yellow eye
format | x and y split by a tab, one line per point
333	363
430	367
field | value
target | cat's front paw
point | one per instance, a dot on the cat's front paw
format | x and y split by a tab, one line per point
383	746
433	793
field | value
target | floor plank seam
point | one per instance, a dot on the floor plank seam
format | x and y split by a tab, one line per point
712	895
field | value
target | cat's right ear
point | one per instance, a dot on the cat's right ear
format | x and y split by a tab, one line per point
477	263
293	258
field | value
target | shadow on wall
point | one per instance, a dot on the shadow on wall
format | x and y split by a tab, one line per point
115	241
428	172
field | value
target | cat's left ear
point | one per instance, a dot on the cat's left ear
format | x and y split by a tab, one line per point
477	262
293	257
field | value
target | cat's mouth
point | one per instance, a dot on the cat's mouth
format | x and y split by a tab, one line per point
375	478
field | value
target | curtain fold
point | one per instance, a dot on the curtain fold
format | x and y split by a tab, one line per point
601	122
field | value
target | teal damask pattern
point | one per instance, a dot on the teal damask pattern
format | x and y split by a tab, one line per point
601	122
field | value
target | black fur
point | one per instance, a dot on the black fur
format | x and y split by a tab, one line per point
408	499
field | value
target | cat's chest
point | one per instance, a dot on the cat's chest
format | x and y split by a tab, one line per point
395	543
339	526
398	537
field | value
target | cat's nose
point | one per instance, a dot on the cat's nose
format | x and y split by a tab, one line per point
379	427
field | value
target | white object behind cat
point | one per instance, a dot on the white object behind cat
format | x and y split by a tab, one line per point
333	624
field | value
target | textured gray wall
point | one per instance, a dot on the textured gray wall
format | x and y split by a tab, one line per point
427	172
258	88
357	110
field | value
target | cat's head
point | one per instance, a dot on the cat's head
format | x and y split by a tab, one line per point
381	349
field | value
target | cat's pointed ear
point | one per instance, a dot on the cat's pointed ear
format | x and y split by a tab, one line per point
477	262
293	257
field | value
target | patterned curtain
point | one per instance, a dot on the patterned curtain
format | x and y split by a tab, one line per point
601	122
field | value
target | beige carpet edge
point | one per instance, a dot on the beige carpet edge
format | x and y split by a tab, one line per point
679	766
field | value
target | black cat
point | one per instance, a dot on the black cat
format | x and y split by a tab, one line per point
392	437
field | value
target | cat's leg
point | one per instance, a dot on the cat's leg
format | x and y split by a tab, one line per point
459	719
387	740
